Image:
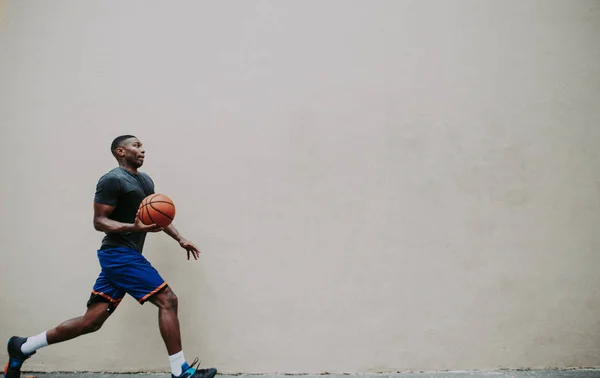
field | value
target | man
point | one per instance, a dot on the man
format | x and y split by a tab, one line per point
124	268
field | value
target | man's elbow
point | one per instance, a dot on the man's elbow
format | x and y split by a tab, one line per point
98	226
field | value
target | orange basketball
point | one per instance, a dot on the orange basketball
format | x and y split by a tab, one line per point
157	208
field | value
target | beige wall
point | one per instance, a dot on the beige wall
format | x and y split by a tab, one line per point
375	185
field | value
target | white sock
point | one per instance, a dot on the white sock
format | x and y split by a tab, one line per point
34	343
176	361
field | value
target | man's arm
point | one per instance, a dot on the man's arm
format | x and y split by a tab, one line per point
172	232
185	244
103	223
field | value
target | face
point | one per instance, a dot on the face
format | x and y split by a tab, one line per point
132	151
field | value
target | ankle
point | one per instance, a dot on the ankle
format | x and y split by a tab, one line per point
178	364
34	343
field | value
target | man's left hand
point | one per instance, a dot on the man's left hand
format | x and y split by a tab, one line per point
190	248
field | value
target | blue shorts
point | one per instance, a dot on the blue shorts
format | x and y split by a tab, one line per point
125	270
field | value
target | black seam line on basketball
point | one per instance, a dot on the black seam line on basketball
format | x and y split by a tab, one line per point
170	203
144	215
155	209
150	198
148	212
141	212
160	212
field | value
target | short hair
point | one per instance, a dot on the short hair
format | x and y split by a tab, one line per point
118	142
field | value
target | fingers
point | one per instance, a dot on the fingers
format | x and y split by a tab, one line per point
194	251
154	228
190	248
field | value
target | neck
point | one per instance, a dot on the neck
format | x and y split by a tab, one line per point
128	167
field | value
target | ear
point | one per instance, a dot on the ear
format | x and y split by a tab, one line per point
120	151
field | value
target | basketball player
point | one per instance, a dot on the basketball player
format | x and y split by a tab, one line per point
124	268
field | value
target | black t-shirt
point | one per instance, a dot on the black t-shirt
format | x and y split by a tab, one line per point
125	191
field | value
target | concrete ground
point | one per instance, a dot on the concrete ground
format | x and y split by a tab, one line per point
574	373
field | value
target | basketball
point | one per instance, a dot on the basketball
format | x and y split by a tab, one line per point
158	209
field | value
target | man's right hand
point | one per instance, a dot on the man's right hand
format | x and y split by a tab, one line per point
141	227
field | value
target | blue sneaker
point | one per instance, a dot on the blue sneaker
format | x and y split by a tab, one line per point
189	371
15	357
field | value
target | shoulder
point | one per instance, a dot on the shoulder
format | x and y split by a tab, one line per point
146	176
113	177
108	188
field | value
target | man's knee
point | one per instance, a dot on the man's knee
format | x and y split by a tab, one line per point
92	325
166	300
95	317
171	300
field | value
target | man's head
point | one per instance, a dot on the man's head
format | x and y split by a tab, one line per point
128	149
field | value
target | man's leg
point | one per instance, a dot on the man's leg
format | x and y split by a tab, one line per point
20	348
105	297
168	322
137	277
94	317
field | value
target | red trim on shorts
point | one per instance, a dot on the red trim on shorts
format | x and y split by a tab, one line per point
152	292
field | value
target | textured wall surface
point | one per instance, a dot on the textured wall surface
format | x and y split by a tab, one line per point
375	185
